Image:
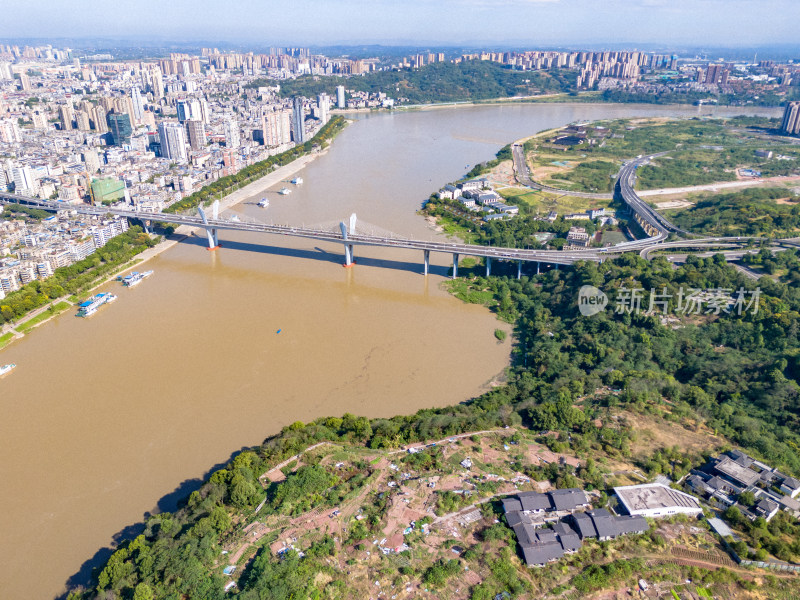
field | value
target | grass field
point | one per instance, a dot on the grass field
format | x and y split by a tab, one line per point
531	201
5	339
31	323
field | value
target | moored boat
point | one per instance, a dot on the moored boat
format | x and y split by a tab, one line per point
135	278
7	368
88	308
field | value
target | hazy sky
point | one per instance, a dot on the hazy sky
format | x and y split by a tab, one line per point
430	22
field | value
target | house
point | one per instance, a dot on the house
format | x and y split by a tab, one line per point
449	192
584	525
506	209
551	216
766	508
535	502
656	500
595	213
569	499
577	236
791	487
487	198
466	202
539	555
735	471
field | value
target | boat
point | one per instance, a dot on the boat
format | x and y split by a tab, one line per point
285	191
264	203
88	308
7	368
297	181
235	219
135	278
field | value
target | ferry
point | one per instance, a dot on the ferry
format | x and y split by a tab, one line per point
135	278
285	191
264	203
88	308
297	181
7	368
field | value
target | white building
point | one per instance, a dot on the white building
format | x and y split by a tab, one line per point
340	103
232	139
173	141
656	500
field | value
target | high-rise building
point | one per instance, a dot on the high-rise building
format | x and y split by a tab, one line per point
189	109
232	139
156	84
138	104
82	121
173	141
323	105
66	115
791	119
24	181
119	124
5	72
298	121
276	127
91	160
9	131
99	120
25	82
340	96
196	132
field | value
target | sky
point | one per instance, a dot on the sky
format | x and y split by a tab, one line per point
532	23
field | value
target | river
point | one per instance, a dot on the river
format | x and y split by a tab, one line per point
108	418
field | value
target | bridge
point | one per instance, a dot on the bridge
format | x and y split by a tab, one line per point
656	227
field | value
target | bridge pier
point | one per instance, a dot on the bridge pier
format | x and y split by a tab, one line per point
538	264
213	241
488	266
519	269
455	265
426	260
349	259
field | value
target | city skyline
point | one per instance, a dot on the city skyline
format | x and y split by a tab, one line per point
733	23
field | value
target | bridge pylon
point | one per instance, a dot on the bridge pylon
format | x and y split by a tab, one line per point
211	232
349	255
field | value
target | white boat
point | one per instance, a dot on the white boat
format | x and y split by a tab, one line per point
285	191
264	203
135	278
7	368
297	181
88	308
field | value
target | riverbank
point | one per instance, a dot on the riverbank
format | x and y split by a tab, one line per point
259	186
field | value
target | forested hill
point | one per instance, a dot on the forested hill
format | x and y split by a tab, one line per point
438	82
737	373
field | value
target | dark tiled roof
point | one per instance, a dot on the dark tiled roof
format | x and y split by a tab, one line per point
630	525
511	505
603	523
534	501
568	499
562	528
542	553
585	526
514	518
570	542
526	536
546	535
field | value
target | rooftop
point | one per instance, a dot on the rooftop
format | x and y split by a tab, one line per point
650	496
733	469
